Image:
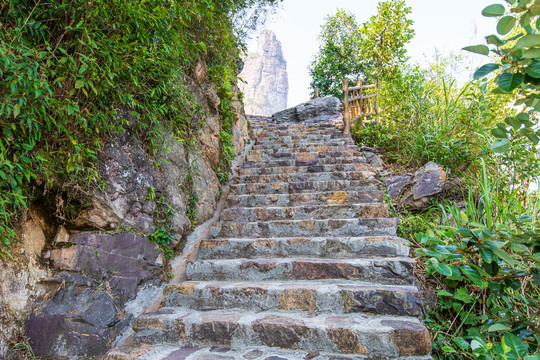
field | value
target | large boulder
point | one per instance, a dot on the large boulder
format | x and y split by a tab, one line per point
319	109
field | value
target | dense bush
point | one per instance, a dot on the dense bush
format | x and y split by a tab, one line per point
426	116
67	67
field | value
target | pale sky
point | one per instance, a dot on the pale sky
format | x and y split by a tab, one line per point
446	26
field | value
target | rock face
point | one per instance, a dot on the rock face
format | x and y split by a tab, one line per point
319	109
266	75
100	273
86	278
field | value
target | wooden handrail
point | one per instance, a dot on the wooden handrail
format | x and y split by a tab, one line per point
372	86
357	105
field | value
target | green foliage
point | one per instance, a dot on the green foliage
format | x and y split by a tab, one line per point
487	259
426	117
350	50
73	73
518	67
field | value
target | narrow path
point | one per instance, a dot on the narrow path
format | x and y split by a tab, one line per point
304	264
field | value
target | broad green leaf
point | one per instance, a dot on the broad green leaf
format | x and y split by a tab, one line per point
485	70
443	269
529	40
79	84
493	10
499	133
525	19
534	139
472	274
531	53
495	40
499	327
509	82
501	146
478	49
448	349
475	344
461	343
523	116
444	293
505	257
533	69
506	24
487	254
513	122
516	344
16	110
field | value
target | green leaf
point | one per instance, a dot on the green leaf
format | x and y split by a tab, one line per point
478	49
79	84
501	146
487	254
499	133
529	40
534	138
523	116
499	327
531	53
516	344
509	82
461	343
444	293
495	40
505	257
513	122
16	110
448	349
472	274
443	269
533	69
485	70
506	24
493	10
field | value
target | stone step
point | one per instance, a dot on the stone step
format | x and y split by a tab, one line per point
372	336
334	145
300	137
186	352
333	186
324	296
276	154
384	270
316	247
306	168
318	212
273	163
305	177
304	131
306	228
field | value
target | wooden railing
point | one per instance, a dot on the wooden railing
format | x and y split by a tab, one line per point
358	104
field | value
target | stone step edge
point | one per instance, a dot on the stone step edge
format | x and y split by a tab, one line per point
315	207
316	173
277	222
166	352
376	336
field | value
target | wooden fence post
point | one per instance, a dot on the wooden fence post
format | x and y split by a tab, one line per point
346	116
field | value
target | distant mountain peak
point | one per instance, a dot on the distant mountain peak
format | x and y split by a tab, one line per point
265	72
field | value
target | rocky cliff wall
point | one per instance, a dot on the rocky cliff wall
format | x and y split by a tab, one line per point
73	279
265	73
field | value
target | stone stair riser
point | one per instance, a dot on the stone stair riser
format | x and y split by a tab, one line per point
330	146
249	195
306	228
302	162
308	168
381	338
388	271
324	247
333	298
275	154
347	211
303	177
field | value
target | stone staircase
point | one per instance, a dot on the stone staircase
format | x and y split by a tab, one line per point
303	264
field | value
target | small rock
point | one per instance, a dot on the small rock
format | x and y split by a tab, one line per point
427	181
395	184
